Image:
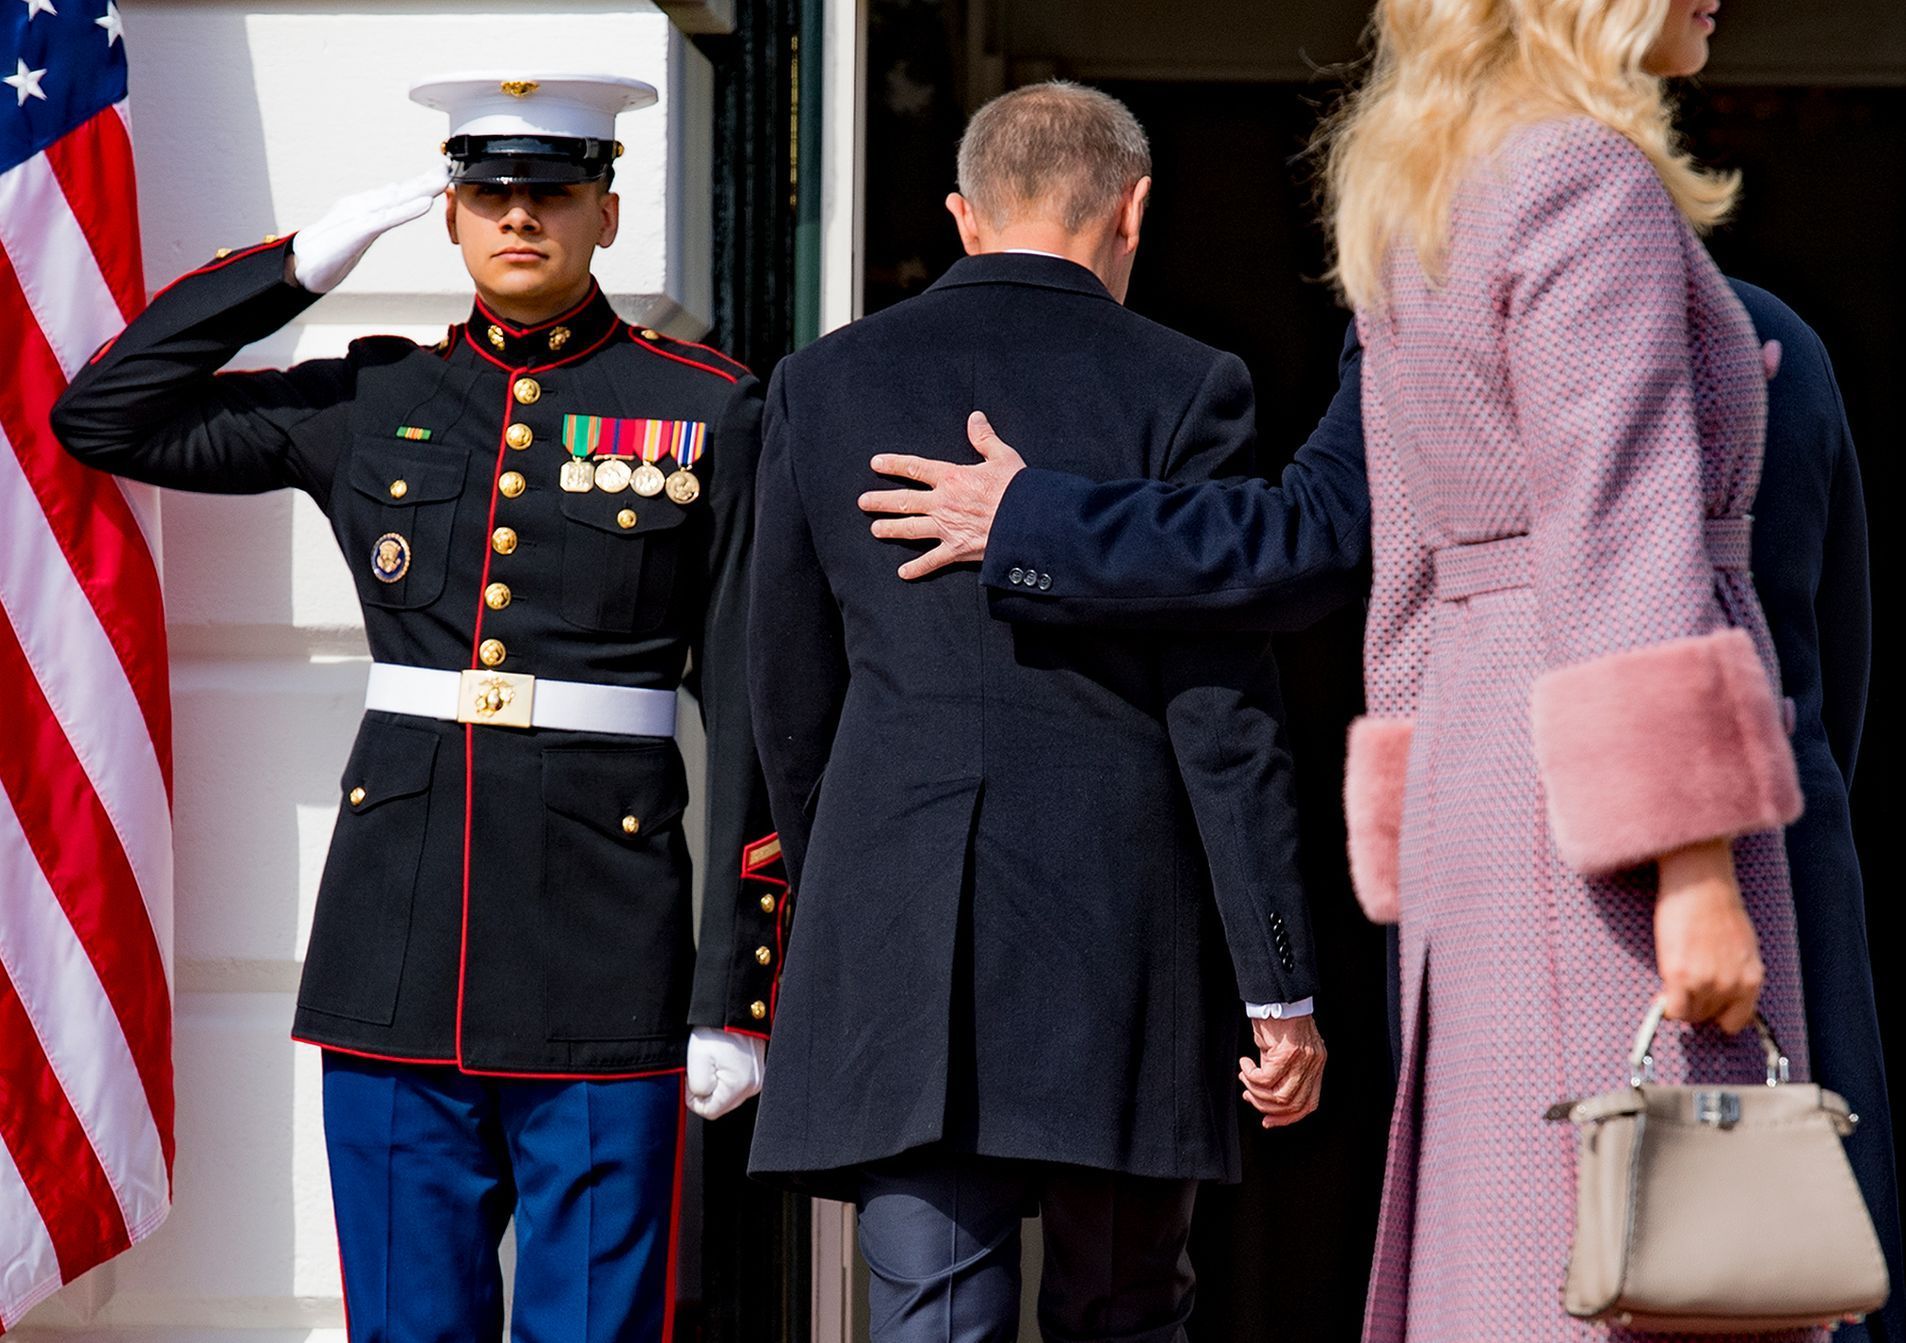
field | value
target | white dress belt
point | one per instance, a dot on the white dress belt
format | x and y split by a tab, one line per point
512	699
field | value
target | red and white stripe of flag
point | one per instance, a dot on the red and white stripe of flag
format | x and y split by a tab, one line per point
85	753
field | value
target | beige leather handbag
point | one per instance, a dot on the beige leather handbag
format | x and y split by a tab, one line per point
1718	1209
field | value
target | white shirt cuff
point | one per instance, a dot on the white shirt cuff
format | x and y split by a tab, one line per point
1303	1007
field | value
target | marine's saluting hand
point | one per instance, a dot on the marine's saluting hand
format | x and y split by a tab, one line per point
957	507
324	253
1284	1083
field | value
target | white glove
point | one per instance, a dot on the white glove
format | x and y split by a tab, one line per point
724	1069
323	254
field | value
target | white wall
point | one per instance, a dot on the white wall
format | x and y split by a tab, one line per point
250	118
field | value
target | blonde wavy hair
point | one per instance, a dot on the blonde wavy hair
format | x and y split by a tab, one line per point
1448	78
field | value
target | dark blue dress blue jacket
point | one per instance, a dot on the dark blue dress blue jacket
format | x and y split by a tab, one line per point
1278	555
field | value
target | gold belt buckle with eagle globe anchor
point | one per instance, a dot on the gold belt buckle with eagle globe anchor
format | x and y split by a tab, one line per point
495	699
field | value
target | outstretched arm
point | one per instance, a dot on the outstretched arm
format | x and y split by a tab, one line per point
1062	549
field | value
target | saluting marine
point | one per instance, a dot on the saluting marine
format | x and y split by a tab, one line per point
547	520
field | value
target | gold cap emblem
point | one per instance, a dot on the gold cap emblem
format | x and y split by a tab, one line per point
519	88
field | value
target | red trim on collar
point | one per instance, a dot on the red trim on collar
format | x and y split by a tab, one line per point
525	370
723	373
595	288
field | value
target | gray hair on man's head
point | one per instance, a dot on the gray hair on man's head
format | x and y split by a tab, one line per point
1056	148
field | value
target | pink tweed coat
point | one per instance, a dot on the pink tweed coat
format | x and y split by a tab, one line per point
1567	673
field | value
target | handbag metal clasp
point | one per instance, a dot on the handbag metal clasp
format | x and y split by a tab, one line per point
1717	1109
1641	1061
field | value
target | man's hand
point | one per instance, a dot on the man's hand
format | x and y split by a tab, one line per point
724	1069
957	507
1283	1085
323	254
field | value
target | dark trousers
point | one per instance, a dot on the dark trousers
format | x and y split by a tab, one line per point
428	1166
941	1237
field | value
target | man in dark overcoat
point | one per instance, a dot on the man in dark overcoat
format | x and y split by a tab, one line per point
1040	875
546	518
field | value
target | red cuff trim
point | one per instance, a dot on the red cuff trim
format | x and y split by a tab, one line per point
1373	785
760	854
1649	750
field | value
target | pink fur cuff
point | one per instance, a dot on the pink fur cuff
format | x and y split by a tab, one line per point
1373	811
1652	749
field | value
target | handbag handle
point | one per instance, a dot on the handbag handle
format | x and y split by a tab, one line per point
1641	1060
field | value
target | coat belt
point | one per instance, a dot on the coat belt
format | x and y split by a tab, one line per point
1476	567
511	699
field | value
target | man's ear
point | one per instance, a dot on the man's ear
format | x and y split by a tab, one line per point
966	220
611	218
450	212
1131	217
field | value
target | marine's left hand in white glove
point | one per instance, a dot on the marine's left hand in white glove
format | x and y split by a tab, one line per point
724	1069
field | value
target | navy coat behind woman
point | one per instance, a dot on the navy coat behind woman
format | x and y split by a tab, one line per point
1275	555
1810	568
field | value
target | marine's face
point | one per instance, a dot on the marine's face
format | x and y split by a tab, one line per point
529	248
1681	50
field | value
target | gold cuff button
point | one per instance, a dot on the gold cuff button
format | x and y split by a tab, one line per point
519	436
527	391
503	540
767	904
631	825
762	955
357	797
496	596
511	483
491	652
399	488
758	1010
625	519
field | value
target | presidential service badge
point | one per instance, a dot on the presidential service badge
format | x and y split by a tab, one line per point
390	557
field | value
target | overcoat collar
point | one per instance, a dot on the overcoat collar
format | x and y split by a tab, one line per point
1027	268
555	341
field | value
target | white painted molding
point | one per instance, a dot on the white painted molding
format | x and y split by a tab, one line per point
843	160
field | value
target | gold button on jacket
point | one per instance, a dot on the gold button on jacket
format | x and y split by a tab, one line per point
527	391
399	488
511	483
491	652
519	436
503	540
496	596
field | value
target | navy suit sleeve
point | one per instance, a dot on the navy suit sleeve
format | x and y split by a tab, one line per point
1223	711
1843	606
1246	554
797	670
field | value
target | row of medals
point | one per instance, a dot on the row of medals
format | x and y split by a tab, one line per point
614	474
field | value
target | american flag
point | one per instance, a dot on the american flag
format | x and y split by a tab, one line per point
85	717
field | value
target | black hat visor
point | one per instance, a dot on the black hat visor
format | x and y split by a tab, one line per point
511	160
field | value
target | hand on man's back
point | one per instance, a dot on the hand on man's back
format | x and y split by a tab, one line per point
957	507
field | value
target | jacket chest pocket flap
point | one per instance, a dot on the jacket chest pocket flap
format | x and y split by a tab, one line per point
362	923
402	509
620	947
620	555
